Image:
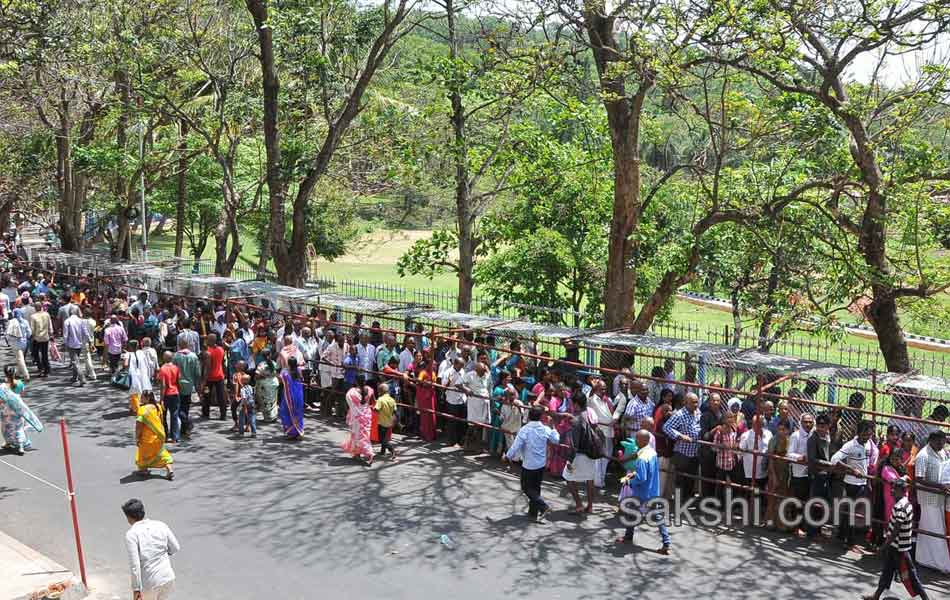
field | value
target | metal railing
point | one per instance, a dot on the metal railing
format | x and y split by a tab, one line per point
812	348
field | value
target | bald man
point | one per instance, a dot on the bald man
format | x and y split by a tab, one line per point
644	483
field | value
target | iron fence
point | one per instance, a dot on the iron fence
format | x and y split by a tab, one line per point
812	348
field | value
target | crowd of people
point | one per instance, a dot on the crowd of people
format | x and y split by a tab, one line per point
258	367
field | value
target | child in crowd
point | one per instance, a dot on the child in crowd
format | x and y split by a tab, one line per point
246	413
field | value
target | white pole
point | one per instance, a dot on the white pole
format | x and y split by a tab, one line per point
142	184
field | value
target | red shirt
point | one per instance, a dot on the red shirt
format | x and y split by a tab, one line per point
169	375
215	363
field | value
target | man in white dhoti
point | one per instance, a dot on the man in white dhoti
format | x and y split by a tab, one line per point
932	468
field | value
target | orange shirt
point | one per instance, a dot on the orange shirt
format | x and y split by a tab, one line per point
215	363
169	375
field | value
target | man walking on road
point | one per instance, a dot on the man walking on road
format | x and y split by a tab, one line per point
42	326
76	337
897	547
532	443
149	544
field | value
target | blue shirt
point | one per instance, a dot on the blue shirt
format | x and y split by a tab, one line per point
533	439
351	368
645	484
75	333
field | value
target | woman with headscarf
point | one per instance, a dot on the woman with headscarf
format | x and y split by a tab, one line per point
266	388
359	419
291	405
16	415
138	365
18	336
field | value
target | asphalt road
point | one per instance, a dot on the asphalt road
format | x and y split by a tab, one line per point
268	519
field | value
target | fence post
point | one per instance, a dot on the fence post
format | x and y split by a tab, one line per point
874	392
72	501
701	373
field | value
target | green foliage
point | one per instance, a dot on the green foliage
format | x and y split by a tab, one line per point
331	222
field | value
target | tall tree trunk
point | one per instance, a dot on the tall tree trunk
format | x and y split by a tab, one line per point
736	317
69	235
775	276
872	245
463	206
181	190
291	259
5	210
623	118
226	230
122	189
264	255
276	188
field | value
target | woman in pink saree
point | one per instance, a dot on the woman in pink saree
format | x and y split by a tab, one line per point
359	418
561	421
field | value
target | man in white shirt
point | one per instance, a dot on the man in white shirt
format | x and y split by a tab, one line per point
855	456
757	438
455	401
142	304
407	355
366	357
931	466
476	384
600	406
149	545
798	452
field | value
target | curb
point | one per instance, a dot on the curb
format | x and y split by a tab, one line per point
25	574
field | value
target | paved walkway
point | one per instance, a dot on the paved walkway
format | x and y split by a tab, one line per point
24	571
264	519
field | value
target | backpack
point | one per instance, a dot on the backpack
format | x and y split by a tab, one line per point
592	440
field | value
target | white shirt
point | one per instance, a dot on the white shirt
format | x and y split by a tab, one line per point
797	448
332	358
747	442
149	545
450	379
308	348
857	456
602	415
405	359
5	303
478	398
366	356
444	366
929	465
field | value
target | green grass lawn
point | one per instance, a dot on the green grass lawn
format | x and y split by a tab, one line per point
687	320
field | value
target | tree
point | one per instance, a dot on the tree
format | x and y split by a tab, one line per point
333	51
547	242
490	71
50	51
808	51
217	78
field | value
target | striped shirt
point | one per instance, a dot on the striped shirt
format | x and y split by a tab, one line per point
902	518
725	458
685	423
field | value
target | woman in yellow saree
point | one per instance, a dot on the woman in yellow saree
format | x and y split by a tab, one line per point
150	452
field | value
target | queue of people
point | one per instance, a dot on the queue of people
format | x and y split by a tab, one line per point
260	367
